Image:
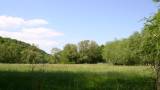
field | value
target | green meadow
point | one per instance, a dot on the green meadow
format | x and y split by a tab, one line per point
75	77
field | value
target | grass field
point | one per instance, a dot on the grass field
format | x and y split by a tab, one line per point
75	77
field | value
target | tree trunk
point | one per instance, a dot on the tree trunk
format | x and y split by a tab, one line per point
158	80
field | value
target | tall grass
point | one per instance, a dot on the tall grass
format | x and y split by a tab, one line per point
75	77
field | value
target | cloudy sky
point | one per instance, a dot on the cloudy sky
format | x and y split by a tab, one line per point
53	23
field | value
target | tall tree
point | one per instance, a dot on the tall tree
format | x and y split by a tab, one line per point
89	52
150	45
70	53
29	55
117	52
125	51
56	54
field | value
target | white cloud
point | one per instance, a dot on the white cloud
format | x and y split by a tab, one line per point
10	22
43	32
40	35
35	22
7	22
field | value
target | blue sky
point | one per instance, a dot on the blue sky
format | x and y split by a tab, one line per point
71	21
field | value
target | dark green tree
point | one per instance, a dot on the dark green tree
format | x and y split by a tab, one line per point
30	55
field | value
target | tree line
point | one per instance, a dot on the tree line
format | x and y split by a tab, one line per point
14	51
86	51
141	48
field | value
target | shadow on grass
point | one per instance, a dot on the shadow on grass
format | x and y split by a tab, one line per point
73	81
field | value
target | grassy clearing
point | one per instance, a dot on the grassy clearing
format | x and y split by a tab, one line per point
75	77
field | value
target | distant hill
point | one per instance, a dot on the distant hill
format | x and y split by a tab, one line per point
14	51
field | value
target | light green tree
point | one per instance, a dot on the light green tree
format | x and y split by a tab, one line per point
70	53
89	52
56	54
150	45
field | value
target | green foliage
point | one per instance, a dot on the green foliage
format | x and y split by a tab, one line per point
70	53
150	47
56	55
122	52
30	55
139	48
134	42
85	52
89	52
13	51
